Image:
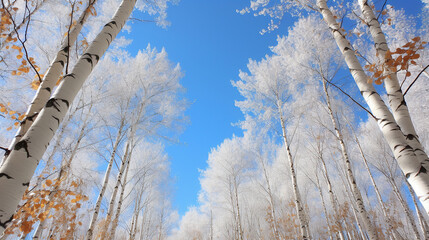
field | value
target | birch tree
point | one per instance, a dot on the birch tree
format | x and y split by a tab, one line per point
51	77
148	104
29	150
223	186
267	95
408	152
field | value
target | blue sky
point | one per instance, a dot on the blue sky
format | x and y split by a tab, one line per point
212	43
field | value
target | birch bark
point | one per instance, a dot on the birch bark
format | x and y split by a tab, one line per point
105	180
388	218
121	198
16	172
115	192
423	225
271	199
331	195
413	169
304	228
64	170
350	175
394	92
50	79
406	208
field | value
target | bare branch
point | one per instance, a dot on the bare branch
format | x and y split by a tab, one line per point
341	90
420	73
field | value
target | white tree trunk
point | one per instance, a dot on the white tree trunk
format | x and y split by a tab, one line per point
406	208
64	170
271	199
121	198
413	169
240	225
304	228
16	172
372	233
133	229
332	197
105	181
423	225
325	211
393	89
50	79
108	217
356	225
391	230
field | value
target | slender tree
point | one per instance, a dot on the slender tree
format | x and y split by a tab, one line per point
20	165
51	77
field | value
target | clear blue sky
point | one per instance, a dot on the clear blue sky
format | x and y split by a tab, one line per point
211	42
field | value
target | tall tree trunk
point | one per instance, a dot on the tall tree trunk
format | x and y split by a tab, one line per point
325	211
304	228
409	162
240	226
121	198
144	231
50	79
271	200
423	225
211	225
64	170
406	208
133	229
105	180
331	196
109	214
350	175
16	172
391	229
393	89
352	200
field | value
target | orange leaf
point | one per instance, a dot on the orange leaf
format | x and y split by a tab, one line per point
416	39
9	128
49	182
415	56
35	84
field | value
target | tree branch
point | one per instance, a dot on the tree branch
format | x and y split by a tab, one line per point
382	8
420	73
351	98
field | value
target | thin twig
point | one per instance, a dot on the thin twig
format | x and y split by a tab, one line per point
360	55
420	73
68	37
142	20
351	98
25	39
382	8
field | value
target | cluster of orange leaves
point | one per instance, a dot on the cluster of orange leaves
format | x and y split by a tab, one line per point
14	115
49	202
5	32
399	60
6	23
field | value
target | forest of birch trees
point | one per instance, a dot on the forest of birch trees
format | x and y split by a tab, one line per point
333	140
